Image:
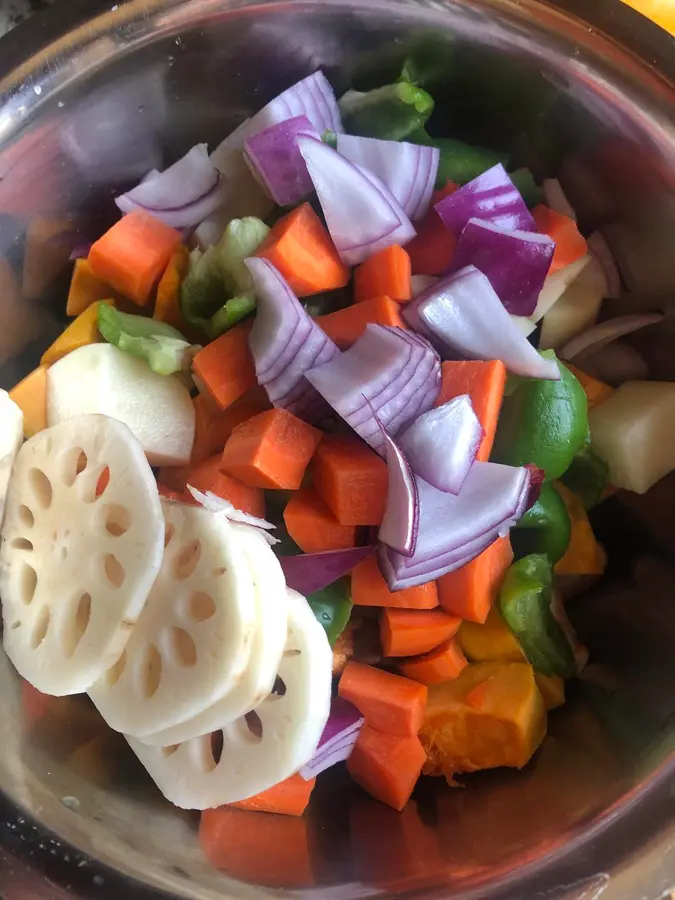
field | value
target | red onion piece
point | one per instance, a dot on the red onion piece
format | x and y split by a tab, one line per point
441	445
361	213
310	572
389	373
401	514
408	170
182	195
491	198
285	343
600	250
515	262
275	160
338	738
599	335
463	313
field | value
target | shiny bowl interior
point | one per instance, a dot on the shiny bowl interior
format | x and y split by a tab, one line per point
589	99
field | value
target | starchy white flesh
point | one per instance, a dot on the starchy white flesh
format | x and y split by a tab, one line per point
11	438
554	288
576	310
267	646
99	378
193	640
266	746
78	557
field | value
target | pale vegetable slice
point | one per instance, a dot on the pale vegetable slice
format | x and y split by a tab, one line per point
267	645
634	432
554	288
82	544
193	640
577	309
11	438
100	378
267	745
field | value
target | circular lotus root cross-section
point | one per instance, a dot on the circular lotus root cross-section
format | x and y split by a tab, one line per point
193	639
82	543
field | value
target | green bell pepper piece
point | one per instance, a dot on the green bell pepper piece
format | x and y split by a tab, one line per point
391	113
163	347
543	422
332	607
527	187
545	527
525	601
587	477
459	162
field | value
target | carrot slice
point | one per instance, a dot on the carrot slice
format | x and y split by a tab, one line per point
370	589
387	273
132	255
351	479
345	326
596	391
207	476
470	591
484	382
85	289
431	250
30	394
271	450
390	703
167	301
213	425
570	244
313	526
407	632
301	249
225	367
442	664
387	766
288	798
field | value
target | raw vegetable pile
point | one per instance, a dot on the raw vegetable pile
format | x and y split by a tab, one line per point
360	368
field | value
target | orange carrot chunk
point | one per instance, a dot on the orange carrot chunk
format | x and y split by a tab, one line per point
271	450
431	250
313	526
385	273
351	479
85	289
225	367
442	664
386	766
132	255
370	589
484	382
213	425
167	302
407	632
470	591
345	326
570	244
206	476
301	249
288	798
390	703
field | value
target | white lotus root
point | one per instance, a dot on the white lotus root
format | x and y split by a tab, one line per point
267	745
193	640
82	543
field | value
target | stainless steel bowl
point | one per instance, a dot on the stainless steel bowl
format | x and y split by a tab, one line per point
577	88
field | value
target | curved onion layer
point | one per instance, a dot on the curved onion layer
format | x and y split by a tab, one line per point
275	160
338	738
388	373
181	196
600	250
515	262
402	511
463	313
441	445
491	198
455	528
285	343
307	573
361	213
408	170
599	335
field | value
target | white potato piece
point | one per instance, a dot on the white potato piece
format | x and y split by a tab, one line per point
577	309
193	640
78	557
268	644
634	432
553	289
267	745
99	378
11	438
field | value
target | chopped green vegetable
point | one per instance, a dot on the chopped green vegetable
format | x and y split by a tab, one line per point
392	112
231	313
163	347
203	290
587	477
543	422
459	162
329	137
332	607
528	188
525	600
545	527
241	239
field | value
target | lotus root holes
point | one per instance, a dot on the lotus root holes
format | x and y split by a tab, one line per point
27	583
21	543
151	672
201	606
26	516
41	487
114	673
114	570
117	519
41	627
254	725
187	560
184	649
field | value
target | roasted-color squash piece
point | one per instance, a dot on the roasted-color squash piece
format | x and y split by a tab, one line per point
493	641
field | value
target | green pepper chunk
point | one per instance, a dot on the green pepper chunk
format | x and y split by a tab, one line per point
527	187
459	162
543	422
587	477
332	607
545	527
525	601
391	113
163	347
